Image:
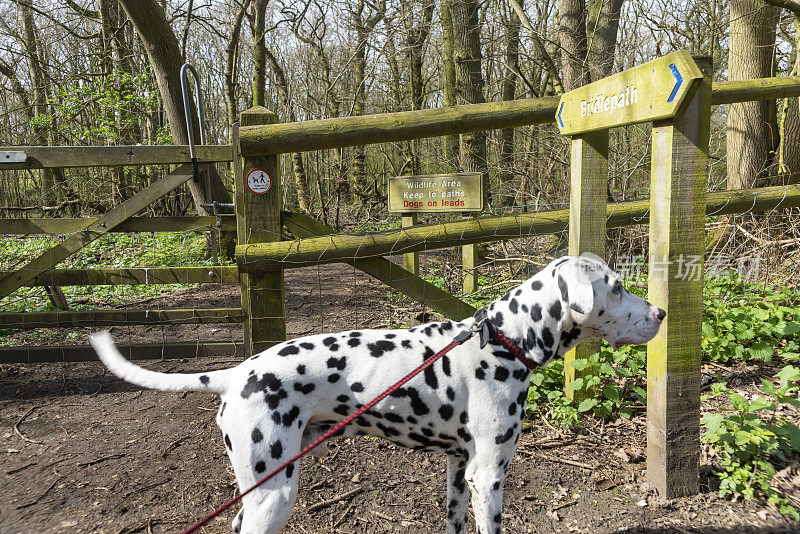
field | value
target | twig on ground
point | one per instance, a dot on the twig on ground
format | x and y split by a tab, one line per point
565	461
334	500
100	460
20	434
384	516
18	469
563	505
173	445
341	517
40	497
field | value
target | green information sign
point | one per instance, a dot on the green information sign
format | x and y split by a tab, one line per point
437	192
652	91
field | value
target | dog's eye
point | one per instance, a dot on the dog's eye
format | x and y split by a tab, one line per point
617	289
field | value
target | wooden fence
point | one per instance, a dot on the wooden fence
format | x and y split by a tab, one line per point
262	254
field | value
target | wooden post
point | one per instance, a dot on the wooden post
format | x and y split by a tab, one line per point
411	259
587	222
469	266
677	217
258	220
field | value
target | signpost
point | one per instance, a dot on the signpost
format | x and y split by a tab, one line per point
435	193
674	94
653	91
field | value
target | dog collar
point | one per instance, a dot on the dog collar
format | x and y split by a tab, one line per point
487	332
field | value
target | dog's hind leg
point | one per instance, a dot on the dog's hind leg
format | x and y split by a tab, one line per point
457	495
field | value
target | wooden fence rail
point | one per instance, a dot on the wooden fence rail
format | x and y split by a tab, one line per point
407	125
58	226
92	318
134	276
345	248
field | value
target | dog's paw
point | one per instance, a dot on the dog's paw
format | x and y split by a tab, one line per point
237	521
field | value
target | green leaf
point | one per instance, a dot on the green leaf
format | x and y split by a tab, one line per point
790	329
712	422
579	364
576	384
587	404
738	402
760	403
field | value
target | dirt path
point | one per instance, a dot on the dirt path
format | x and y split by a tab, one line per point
83	452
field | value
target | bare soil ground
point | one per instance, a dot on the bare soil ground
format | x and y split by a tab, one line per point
85	452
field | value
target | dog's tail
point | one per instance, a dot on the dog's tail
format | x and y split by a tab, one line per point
117	364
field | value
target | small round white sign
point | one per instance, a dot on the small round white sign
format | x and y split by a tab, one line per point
259	181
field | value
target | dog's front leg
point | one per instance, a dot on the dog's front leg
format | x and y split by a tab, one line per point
485	477
456	495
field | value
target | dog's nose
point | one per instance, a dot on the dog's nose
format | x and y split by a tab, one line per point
661	314
656	314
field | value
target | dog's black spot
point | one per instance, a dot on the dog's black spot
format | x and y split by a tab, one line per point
228	442
400	393
524	308
341	409
276	418
430	374
484	365
502	438
358	387
355	334
497	319
354	342
328	341
301	369
513	306
522	397
204	380
222	408
446	411
506	296
428	330
501	373
480	374
306	345
342	398
503	354
288	350
562	286
496	486
260	467
555	310
274	399
333	378
276	449
601	312
289	470
450	393
497	518
388	431
394	418
305	389
577	307
464	418
447	326
411	419
530	340
464	434
427	432
536	312
379	347
390	336
512	408
254	385
536	285
337	363
290	416
256	435
419	407
547	337
406	343
446	365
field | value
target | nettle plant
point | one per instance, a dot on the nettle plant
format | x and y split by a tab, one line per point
753	436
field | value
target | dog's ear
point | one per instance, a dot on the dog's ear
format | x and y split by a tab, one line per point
579	292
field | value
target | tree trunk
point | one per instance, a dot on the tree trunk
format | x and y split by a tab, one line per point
469	78
752	134
450	141
231	82
790	136
416	37
602	32
259	54
298	169
509	87
572	37
164	54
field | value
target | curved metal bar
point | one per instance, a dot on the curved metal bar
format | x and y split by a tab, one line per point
187	112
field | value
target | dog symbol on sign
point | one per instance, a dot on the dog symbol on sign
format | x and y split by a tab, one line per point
258	181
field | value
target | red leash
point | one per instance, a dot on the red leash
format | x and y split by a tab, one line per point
486	330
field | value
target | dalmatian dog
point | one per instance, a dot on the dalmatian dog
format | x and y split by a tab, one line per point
469	404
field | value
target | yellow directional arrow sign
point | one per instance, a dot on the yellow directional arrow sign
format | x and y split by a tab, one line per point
652	91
